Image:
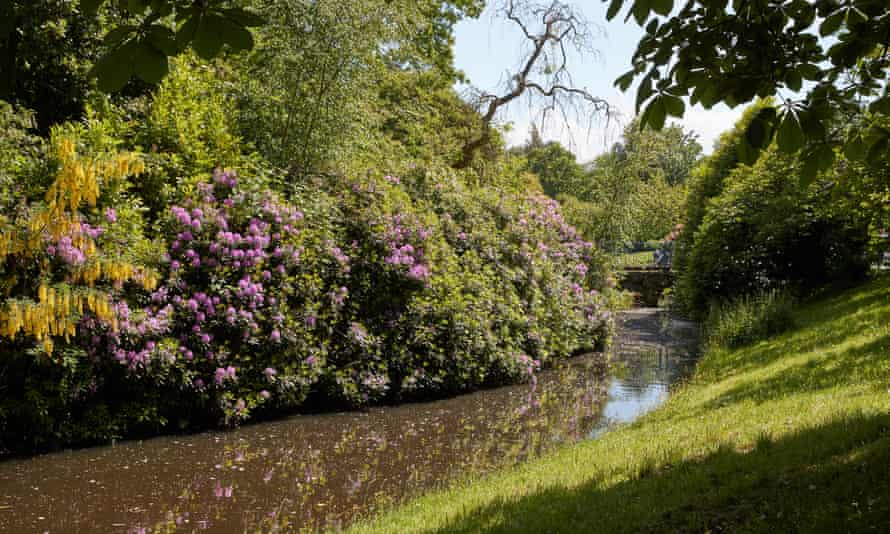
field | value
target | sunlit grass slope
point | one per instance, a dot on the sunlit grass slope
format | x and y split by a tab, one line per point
789	434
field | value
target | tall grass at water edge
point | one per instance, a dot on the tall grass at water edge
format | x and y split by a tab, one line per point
748	319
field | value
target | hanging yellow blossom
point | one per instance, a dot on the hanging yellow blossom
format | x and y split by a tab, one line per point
55	308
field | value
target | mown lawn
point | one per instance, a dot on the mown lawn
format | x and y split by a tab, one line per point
789	434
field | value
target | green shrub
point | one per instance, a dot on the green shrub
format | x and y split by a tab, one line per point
707	180
596	222
20	153
748	319
349	286
766	230
396	287
184	130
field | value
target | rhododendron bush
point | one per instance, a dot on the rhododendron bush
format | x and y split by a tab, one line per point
343	294
235	321
466	287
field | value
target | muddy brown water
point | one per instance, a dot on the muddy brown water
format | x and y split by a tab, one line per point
312	471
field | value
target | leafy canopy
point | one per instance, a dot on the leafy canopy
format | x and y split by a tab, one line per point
153	30
150	31
828	56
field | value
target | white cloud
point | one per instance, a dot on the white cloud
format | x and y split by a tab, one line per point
710	123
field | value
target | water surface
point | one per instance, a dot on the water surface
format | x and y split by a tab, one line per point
325	470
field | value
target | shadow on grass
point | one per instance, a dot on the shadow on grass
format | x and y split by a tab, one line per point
833	478
863	360
867	363
818	328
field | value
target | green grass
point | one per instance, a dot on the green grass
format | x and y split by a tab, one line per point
634	259
788	434
748	319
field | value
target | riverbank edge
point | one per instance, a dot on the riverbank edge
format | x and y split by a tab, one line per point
316	404
790	433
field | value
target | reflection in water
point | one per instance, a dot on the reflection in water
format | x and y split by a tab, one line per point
640	382
313	470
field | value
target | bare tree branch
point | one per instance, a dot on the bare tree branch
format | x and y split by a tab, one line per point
543	74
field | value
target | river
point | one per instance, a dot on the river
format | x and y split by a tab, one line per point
325	470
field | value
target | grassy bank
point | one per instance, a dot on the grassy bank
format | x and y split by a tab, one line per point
788	434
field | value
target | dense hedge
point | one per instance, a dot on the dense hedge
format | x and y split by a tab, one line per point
707	180
766	230
343	291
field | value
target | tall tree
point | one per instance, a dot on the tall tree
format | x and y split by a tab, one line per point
551	29
670	153
151	31
557	169
320	76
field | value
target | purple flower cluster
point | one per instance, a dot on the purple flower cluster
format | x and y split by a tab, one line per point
133	343
358	334
225	299
224	373
338	299
375	382
260	307
341	258
529	365
66	249
404	239
546	211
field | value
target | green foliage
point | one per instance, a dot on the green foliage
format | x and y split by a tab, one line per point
867	194
670	153
557	169
306	88
326	82
423	118
595	221
657	206
20	153
289	265
142	42
186	130
764	231
631	194
640	185
748	319
394	287
426	29
45	50
838	48
707	181
146	33
191	117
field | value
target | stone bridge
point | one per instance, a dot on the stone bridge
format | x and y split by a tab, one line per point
647	283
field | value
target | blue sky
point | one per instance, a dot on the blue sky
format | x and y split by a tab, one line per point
488	47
